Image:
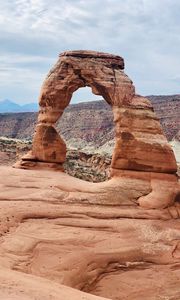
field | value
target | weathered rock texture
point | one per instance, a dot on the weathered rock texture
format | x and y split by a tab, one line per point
141	149
168	110
59	239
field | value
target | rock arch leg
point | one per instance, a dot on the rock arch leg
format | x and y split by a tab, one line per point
48	149
140	142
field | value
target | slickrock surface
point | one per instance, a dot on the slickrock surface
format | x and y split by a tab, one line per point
54	235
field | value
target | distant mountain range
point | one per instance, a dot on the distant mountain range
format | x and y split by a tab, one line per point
8	106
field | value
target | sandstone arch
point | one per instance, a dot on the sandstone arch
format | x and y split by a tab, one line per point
140	142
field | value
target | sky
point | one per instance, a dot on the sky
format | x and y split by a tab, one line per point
146	33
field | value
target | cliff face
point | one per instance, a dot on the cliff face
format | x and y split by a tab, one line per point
91	122
167	109
17	125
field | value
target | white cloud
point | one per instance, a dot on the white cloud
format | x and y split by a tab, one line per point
144	32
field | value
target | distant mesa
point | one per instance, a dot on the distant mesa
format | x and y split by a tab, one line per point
8	106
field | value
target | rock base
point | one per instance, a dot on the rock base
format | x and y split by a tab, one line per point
57	242
28	164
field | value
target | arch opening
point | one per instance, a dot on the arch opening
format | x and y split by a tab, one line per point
86	126
136	126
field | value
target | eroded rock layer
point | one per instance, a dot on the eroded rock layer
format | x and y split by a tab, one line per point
61	237
141	149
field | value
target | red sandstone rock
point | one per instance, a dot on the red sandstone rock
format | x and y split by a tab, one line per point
119	239
61	237
48	146
140	143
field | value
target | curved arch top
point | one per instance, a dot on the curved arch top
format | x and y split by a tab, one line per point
140	143
75	69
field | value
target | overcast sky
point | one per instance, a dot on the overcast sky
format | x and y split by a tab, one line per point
33	32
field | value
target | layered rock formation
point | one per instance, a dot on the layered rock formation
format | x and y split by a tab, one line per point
167	109
18	125
140	144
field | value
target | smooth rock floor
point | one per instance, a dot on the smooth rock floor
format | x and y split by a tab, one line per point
56	245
